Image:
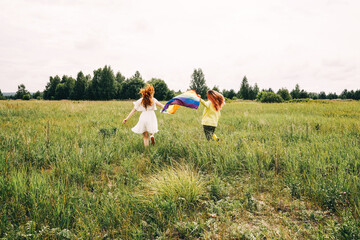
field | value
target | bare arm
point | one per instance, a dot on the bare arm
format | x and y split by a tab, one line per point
159	104
129	116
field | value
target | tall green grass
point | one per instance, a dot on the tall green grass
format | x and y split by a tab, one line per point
71	170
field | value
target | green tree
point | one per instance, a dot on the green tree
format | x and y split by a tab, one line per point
244	91
198	82
1	96
322	95
131	87
64	88
229	93
47	89
225	93
27	96
344	94
216	88
269	97
102	86
70	84
79	90
313	95
37	95
351	95
303	94
295	93
49	92
119	81
254	92
332	96
94	91
21	92
161	89
356	95
284	93
61	91
170	95
107	84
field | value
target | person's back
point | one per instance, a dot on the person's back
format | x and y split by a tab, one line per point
211	113
139	105
147	123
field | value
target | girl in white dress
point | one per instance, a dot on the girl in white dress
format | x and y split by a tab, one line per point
147	123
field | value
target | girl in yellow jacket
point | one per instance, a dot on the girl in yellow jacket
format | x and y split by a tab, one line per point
211	113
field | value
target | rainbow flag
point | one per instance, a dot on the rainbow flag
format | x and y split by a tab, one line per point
188	99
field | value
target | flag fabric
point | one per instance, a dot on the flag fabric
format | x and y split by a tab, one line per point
188	99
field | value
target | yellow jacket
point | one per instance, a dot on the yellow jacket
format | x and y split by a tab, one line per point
210	115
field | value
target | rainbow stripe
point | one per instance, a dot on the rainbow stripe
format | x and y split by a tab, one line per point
188	99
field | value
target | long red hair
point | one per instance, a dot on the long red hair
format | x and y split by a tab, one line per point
216	98
147	95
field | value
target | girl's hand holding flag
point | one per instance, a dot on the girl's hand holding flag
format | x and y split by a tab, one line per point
188	99
211	112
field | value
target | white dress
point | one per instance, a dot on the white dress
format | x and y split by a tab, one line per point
147	121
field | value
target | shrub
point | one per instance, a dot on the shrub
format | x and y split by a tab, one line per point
284	93
180	185
269	97
227	100
26	96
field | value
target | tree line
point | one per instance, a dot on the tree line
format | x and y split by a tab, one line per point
248	92
105	85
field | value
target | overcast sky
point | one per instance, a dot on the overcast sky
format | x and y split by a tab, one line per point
277	43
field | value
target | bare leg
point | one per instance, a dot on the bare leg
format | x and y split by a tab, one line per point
152	139
146	139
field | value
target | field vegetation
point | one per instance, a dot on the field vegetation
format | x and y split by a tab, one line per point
70	170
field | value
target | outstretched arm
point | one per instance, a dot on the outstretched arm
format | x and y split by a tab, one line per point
204	103
129	116
159	104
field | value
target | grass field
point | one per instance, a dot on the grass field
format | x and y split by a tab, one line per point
70	170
